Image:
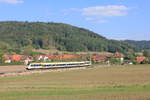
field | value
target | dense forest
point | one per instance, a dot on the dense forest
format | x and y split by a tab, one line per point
15	36
139	45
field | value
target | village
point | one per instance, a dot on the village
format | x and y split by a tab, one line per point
116	58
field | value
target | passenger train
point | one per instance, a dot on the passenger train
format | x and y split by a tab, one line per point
51	65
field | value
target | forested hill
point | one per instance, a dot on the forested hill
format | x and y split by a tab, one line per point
139	45
64	37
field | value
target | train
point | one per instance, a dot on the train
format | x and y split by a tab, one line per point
51	65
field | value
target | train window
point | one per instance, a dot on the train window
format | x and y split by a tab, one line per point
36	65
59	64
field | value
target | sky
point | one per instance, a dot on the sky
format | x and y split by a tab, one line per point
114	19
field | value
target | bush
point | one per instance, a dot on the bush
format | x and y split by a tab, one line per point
1	57
147	61
135	62
114	61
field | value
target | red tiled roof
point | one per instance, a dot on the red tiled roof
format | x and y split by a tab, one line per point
6	56
100	58
118	55
16	57
140	58
60	56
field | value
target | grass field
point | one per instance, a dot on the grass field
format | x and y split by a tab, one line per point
109	83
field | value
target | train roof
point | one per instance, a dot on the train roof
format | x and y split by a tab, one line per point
57	62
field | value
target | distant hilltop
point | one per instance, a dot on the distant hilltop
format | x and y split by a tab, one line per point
58	36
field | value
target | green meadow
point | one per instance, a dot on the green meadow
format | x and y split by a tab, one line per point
97	83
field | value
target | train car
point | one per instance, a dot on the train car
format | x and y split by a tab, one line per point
51	65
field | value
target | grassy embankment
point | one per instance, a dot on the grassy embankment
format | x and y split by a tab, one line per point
109	83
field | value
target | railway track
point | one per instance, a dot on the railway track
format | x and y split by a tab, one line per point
26	72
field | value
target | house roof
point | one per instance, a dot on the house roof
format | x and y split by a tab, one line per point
140	58
59	56
16	57
100	58
118	55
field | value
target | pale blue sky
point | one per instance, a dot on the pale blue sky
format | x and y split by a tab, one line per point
115	19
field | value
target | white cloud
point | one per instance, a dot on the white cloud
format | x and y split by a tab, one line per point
105	11
12	1
101	21
95	20
98	14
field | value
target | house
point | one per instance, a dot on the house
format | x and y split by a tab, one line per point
45	57
7	58
26	59
119	56
100	58
140	58
16	57
69	56
40	57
